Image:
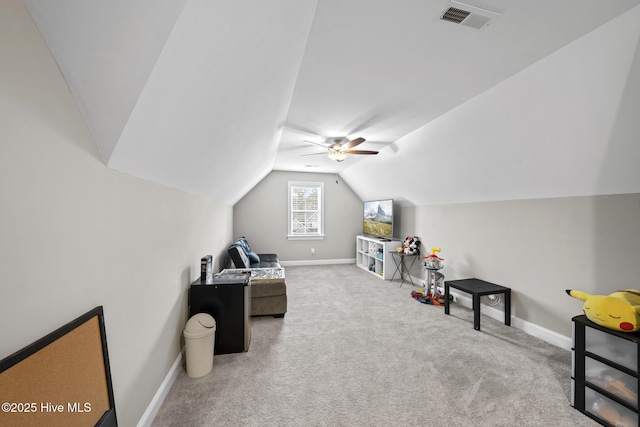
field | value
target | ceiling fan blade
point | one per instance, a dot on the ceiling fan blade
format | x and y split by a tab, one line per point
353	143
316	143
361	152
312	154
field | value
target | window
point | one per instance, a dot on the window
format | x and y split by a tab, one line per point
306	210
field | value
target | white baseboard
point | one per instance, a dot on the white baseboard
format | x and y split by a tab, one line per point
161	394
544	334
530	328
317	262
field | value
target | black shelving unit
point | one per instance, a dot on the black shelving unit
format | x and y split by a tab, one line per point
605	373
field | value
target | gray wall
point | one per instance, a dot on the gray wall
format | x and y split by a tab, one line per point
261	216
75	234
538	248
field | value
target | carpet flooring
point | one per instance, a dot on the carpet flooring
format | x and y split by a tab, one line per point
355	350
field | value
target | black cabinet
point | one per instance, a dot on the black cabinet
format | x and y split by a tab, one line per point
229	302
604	376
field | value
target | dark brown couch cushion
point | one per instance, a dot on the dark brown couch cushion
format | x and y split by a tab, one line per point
268	288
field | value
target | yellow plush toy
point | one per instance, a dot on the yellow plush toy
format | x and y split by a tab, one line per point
619	311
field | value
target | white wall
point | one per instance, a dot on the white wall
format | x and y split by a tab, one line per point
75	234
261	216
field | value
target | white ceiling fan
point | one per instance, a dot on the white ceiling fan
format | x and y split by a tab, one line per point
339	147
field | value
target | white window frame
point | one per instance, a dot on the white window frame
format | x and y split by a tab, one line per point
293	235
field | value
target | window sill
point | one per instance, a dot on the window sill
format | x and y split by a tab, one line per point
309	237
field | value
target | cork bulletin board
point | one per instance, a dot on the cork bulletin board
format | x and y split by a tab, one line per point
62	379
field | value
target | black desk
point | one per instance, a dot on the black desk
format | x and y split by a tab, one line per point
477	288
401	266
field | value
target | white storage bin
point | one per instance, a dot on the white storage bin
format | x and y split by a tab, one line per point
608	410
610	347
612	380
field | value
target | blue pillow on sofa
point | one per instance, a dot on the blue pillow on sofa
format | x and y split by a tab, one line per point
242	242
253	257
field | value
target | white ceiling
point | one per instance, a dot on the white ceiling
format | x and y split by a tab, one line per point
210	96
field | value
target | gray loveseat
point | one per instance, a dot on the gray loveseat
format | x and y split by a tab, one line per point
268	297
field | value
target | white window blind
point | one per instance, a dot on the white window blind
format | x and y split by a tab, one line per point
306	210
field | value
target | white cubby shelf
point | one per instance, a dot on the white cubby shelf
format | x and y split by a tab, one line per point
372	254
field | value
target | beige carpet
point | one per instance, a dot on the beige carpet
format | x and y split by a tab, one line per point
354	350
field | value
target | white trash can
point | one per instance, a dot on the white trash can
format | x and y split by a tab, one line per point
199	340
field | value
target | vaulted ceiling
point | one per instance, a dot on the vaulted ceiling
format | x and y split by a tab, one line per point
210	96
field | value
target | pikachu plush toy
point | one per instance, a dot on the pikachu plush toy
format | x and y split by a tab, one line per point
619	311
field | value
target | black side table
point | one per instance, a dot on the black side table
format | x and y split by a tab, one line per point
401	267
477	288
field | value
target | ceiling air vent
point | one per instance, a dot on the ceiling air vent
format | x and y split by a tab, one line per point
468	16
455	15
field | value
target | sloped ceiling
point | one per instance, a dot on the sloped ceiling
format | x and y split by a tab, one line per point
210	96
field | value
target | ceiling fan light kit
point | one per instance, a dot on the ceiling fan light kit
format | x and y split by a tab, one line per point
340	147
338	156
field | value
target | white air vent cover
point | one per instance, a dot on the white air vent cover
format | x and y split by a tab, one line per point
468	16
